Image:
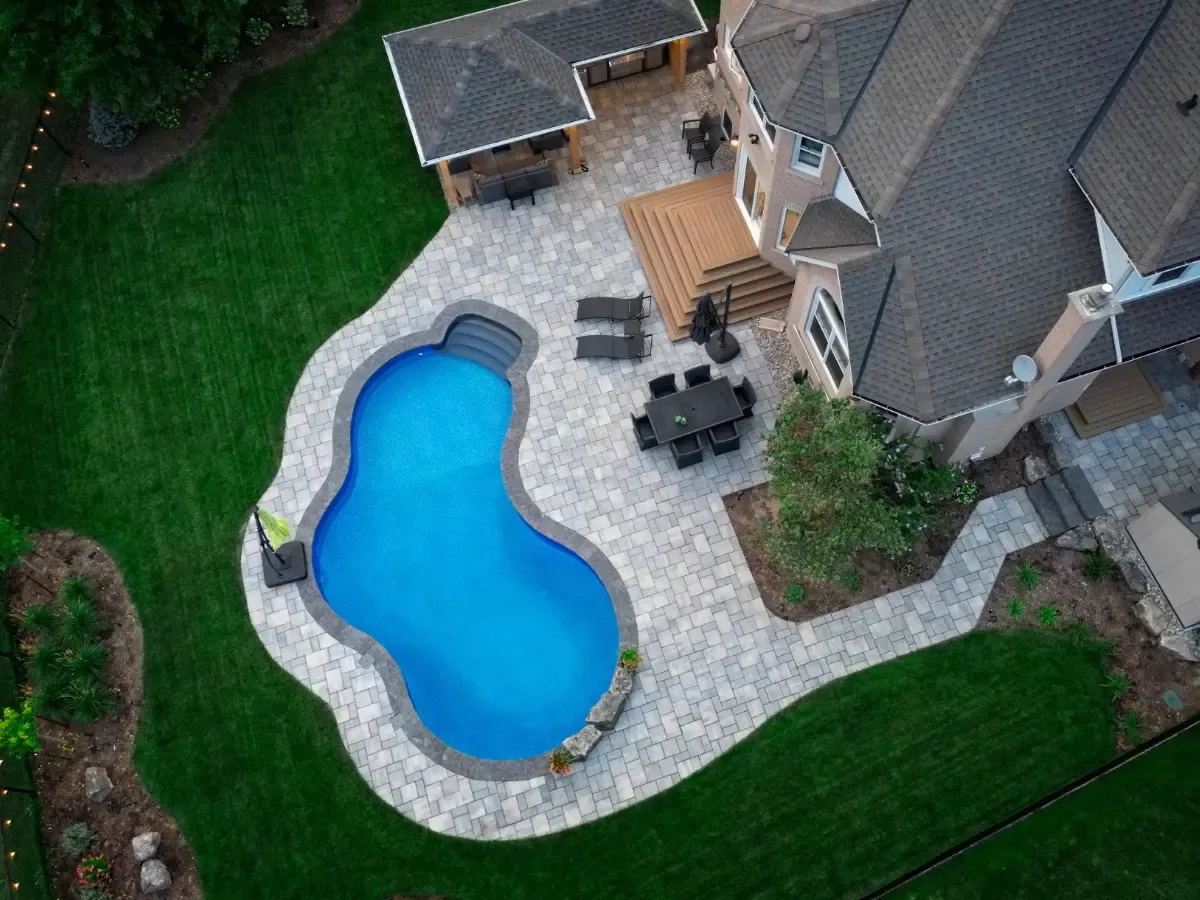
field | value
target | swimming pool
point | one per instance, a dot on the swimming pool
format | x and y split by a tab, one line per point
504	637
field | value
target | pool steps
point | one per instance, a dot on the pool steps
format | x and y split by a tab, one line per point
483	341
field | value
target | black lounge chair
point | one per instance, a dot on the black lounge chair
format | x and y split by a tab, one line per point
705	152
643	432
615	308
687	451
697	375
695	131
662	386
613	346
724	438
745	397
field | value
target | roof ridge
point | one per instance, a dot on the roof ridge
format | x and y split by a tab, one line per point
934	120
1176	216
857	377
524	73
778	102
456	95
831	85
910	314
829	11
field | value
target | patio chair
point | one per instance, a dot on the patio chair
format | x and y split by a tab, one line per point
697	375
643	432
614	308
518	187
695	131
687	451
724	438
662	386
745	397
613	346
706	151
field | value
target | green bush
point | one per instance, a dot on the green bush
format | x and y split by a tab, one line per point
1098	566
109	129
843	486
1047	615
295	15
1016	608
1028	576
14	542
64	657
851	580
167	117
795	593
76	839
257	31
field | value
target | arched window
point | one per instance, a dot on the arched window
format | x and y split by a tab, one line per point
827	331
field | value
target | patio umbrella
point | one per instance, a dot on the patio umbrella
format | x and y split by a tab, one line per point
724	346
705	320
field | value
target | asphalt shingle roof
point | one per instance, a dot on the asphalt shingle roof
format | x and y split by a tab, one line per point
496	75
829	222
1141	163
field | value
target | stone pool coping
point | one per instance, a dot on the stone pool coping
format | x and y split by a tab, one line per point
405	715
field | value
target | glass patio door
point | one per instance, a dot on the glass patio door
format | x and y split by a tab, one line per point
751	195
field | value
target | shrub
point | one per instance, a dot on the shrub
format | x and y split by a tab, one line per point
843	486
18	730
1118	684
1130	725
851	580
1098	565
93	893
93	871
257	31
796	593
14	542
1016	608
630	659
560	761
166	116
295	15
196	81
110	129
75	839
1028	576
64	656
1048	615
1078	633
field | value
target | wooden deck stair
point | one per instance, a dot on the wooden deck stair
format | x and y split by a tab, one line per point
1119	396
692	240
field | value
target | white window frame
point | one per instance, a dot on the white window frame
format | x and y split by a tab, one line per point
822	302
760	113
727	43
799	166
780	244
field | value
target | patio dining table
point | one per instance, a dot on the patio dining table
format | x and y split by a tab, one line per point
702	406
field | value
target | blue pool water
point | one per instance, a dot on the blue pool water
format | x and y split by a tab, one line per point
505	638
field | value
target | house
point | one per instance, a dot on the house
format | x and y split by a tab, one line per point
959	183
486	94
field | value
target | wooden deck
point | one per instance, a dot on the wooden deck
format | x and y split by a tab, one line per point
692	240
1119	396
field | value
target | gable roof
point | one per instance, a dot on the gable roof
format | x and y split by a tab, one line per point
495	76
1140	162
828	222
809	61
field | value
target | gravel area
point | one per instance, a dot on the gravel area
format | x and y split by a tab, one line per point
778	352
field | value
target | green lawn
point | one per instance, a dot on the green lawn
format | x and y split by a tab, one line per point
144	405
1131	834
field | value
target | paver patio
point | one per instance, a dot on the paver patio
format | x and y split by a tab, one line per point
716	664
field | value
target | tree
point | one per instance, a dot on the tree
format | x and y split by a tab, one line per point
128	55
15	542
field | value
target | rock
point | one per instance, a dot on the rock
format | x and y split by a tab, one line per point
1184	645
606	711
1152	616
155	876
1080	539
97	784
622	681
580	744
145	845
1119	546
1036	468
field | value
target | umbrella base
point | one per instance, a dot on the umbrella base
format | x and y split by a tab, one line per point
294	567
719	354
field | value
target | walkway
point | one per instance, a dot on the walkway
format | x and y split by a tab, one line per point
716	664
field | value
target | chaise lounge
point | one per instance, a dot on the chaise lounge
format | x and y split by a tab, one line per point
615	308
613	346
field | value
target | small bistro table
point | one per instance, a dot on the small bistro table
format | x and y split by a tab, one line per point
703	406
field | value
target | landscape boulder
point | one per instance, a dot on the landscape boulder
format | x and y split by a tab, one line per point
1036	468
155	876
145	845
1184	645
606	711
97	784
1153	617
580	744
1080	539
1119	547
622	681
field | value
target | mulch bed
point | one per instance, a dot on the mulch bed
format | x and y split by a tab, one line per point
128	810
878	573
155	147
1107	607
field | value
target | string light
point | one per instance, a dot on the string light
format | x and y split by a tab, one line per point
12	854
15	204
21	185
41	130
28	166
45	112
7	823
3	245
33	147
52	94
7	224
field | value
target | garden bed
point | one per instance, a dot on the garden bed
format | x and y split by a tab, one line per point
67	752
878	574
1106	606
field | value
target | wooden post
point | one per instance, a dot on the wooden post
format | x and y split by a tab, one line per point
677	53
447	185
576	156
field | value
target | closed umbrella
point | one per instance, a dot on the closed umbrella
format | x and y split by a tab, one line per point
705	320
724	346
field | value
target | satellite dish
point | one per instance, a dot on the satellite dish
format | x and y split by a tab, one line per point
1025	369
